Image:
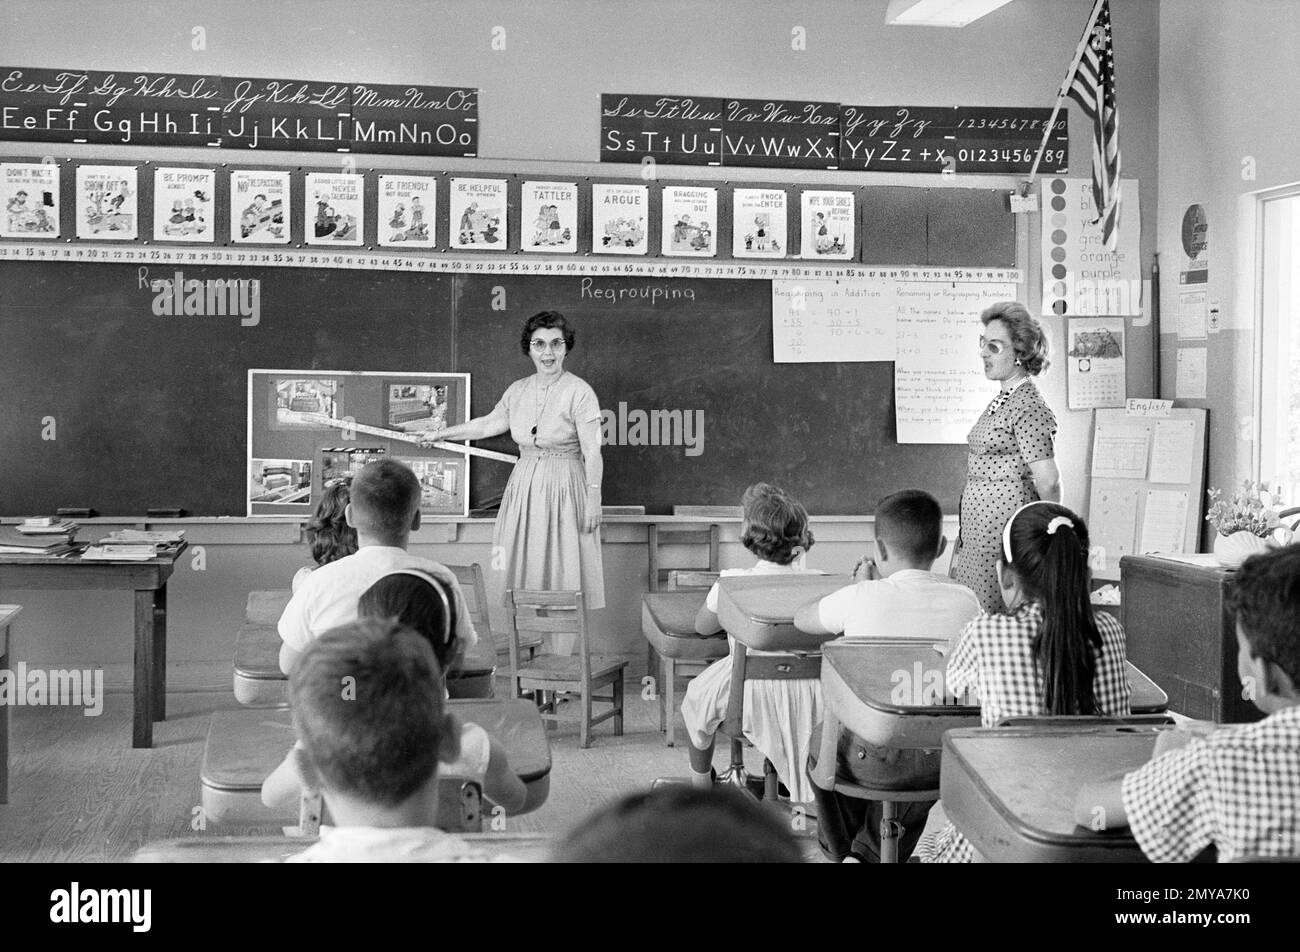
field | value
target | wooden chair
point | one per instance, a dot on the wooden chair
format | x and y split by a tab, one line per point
763	667
676	650
474	589
552	676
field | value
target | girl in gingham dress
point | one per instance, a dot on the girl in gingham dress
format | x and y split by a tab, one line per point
1050	654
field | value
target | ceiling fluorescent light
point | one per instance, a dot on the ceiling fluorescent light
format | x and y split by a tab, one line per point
938	12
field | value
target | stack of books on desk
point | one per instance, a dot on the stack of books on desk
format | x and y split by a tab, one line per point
16	542
48	526
132	545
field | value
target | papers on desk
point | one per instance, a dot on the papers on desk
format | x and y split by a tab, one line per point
1205	559
119	553
140	537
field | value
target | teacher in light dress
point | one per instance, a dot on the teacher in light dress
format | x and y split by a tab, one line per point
1012	457
546	534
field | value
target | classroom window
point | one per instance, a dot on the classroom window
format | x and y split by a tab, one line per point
1279	345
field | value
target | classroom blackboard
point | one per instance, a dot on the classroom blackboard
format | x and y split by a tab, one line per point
113	406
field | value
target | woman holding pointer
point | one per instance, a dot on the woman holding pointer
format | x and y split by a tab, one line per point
1012	448
545	536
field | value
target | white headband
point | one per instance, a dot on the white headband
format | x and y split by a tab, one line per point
1056	523
437	587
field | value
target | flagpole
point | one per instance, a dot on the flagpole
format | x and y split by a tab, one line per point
1061	94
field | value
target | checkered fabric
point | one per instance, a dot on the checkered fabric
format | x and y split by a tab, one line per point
1238	789
994	656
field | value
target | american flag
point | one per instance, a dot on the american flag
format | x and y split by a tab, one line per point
1093	88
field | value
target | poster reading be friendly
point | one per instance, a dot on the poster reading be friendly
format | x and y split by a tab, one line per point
407	210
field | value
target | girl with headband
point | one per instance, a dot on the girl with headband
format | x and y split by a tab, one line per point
1049	654
420	602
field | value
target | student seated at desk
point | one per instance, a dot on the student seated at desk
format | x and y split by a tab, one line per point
420	602
680	824
899	598
384	509
1236	788
1051	653
779	715
328	532
374	753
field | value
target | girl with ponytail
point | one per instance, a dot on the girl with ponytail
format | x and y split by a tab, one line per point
1050	653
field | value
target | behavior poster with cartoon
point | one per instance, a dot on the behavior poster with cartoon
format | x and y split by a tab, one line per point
690	221
827	219
407	210
183	204
549	217
620	219
29	195
259	207
107	202
758	225
335	208
478	214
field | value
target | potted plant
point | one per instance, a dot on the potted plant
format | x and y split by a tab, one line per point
1245	523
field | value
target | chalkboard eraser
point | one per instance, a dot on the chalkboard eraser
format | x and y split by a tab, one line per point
75	512
164	513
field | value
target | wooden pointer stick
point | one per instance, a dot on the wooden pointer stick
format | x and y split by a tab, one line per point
409	438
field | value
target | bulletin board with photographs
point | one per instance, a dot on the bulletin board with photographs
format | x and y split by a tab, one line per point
307	429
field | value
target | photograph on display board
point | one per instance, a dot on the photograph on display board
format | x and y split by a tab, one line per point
107	198
758	223
478	213
335	208
301	403
342	420
407	210
620	219
285	482
184	201
690	220
29	194
259	207
549	213
827	221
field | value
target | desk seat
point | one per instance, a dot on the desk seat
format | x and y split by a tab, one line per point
668	623
244	746
1011	790
265	608
525	847
259	682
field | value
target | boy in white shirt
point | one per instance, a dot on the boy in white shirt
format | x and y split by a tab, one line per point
373	750
899	598
384	509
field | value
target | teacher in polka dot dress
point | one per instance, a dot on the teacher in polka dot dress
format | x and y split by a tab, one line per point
1012	448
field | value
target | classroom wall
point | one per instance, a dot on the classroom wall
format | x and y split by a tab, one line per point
1228	93
539	102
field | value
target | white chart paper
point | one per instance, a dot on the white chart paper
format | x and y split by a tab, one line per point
1164	524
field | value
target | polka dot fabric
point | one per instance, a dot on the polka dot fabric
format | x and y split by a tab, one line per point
1017	429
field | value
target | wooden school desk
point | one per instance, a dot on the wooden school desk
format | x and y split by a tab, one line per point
7	615
148	579
758	610
1011	790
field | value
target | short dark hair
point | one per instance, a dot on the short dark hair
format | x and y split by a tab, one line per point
1265	598
1027	337
367	707
775	523
385	497
680	824
330	536
420	602
911	522
548	319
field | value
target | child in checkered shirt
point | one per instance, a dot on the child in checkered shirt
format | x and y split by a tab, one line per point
1236	788
1049	654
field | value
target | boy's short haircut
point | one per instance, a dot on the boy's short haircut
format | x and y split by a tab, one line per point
680	824
1265	597
367	708
775	523
910	522
385	497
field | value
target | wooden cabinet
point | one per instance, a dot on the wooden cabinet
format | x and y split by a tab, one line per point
1181	635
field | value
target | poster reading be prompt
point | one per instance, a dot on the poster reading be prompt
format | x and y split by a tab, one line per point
1081	278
